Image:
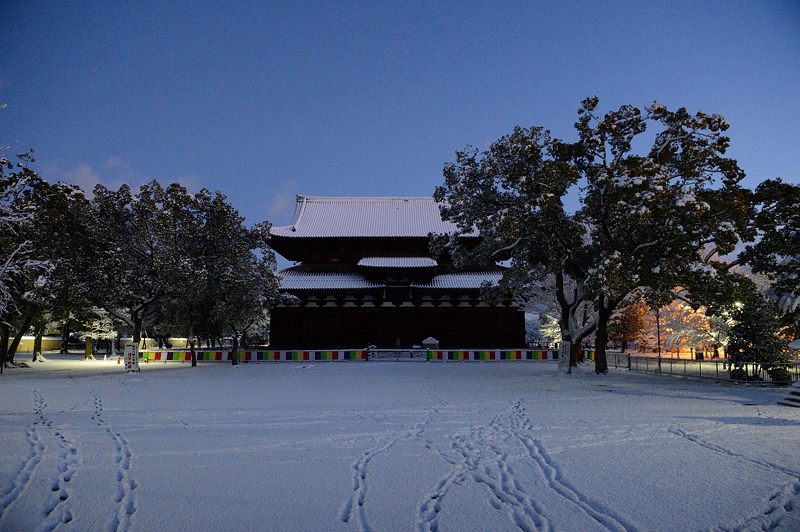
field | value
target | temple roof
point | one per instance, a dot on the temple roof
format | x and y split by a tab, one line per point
397	262
313	278
305	278
458	280
343	217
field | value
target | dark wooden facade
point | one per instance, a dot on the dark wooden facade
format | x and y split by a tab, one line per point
381	287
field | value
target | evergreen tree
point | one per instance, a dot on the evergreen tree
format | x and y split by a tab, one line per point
776	253
754	337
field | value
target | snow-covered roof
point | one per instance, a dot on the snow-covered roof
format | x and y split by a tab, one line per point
332	217
301	278
310	278
397	262
462	280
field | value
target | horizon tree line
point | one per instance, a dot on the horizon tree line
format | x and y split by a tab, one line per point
661	212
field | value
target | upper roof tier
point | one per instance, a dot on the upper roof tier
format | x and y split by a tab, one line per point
397	262
349	217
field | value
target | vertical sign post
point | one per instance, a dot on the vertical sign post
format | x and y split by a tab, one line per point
132	357
563	356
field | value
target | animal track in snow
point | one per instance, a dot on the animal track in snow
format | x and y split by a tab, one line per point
779	505
354	506
125	496
520	423
26	469
722	450
782	503
56	511
484	461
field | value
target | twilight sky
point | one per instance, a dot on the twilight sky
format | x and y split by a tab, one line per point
264	100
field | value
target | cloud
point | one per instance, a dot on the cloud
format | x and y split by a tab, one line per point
86	178
282	200
120	168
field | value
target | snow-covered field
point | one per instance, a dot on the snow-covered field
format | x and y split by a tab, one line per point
389	446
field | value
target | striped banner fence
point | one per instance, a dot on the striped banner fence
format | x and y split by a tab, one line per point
256	356
492	355
459	355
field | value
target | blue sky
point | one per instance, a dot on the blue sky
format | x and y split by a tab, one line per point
264	100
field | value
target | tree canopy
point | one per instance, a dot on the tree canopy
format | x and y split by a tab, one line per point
658	204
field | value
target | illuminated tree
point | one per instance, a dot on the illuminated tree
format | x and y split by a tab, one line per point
628	321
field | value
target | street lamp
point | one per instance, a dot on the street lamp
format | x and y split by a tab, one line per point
658	336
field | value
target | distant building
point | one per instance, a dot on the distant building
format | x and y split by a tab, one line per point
366	276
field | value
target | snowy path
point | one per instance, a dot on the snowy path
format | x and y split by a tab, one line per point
390	446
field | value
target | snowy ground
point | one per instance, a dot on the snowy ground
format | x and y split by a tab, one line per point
390	446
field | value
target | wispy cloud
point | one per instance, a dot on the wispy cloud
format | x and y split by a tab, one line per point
113	174
282	200
120	168
84	176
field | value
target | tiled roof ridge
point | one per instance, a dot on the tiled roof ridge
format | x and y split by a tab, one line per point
357	216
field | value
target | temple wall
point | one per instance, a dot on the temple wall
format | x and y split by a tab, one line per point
335	328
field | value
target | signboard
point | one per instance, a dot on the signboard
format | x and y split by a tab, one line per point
132	357
563	356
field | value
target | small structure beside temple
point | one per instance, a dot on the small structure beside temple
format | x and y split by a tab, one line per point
365	276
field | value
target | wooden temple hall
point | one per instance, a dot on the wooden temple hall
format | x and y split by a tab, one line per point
366	276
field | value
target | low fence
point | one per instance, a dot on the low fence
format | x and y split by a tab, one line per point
254	356
437	355
717	370
491	355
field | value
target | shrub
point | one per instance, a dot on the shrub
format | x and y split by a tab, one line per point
780	376
739	374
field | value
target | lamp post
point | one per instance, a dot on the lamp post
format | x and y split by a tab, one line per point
658	336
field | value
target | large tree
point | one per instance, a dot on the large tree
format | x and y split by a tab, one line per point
52	280
144	241
233	281
646	217
660	216
513	195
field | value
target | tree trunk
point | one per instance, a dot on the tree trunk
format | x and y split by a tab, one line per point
37	344
235	350
192	350
88	351
4	337
624	344
65	337
574	354
137	329
605	307
26	323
